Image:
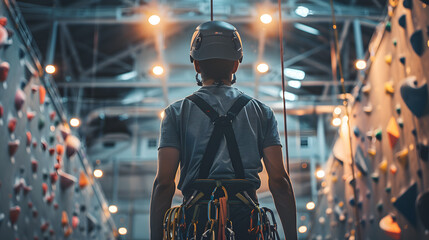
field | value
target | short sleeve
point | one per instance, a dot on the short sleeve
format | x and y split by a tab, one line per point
169	134
272	137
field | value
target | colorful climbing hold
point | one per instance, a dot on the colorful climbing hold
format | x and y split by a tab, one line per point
388	26
356	131
64	218
393	3
406	204
378	134
12	124
72	145
408	4
388	58
34	165
402	157
380	206
75	221
4	70
393	169
415	97
14	214
41	123
401	122
375	177
368	108
44	145
366	88
392	132
388	189
19	99
402	21
83	179
383	166
423	150
42	94
66	180
402	60
372	152
389	87
60	149
360	161
390	227
422	205
417	42
28	134
44	188
13	147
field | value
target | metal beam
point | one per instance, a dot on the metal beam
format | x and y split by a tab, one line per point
304	55
66	33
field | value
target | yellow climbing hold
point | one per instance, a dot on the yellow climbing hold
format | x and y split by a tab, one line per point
372	152
388	58
393	3
383	166
402	157
389	87
366	89
392	131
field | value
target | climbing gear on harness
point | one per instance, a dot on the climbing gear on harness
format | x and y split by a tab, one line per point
199	82
216	39
222	127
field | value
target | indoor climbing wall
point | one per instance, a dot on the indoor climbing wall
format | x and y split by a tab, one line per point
389	131
45	189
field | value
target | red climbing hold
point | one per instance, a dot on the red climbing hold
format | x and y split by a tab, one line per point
30	115
44	188
42	94
13	147
66	180
34	165
3	21
52	115
12	125
1	111
44	226
51	151
44	145
54	177
14	214
28	134
19	99
75	222
4	70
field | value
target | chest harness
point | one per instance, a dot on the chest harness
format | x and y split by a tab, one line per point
214	193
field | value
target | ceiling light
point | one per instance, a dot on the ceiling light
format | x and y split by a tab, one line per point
289	96
306	29
320	174
302	11
302	229
113	209
158	70
50	69
262	68
337	111
74	122
154	20
294	73
360	64
266	18
98	173
336	122
127	76
294	84
310	205
122	231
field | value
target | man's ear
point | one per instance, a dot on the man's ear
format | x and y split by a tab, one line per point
197	66
235	67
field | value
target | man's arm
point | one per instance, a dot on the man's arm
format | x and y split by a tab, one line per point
163	189
281	189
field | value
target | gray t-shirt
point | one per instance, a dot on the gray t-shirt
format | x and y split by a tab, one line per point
188	129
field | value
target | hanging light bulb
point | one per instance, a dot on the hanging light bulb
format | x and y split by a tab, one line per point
360	64
262	68
50	69
154	20
158	70
266	18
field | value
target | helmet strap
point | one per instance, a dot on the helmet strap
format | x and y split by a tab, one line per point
199	82
234	79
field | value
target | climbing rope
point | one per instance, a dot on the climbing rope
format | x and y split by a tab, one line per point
345	103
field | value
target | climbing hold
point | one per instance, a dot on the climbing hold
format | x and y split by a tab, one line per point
401	122
356	131
378	134
14	214
4	70
372	152
66	180
366	89
388	58
68	231
383	166
380	206
417	42
51	151
368	108
334	179
59	149
28	135
27	189
423	150
57	166
415	98
30	115
34	165
395	42
83	179
422	205
72	145
44	226
35	213
53	177
408	4
13	147
65	131
30	205
375	177
390	227
360	161
44	188
393	3
91	222
402	157
414	132
388	26
389	87
352	182
75	221
368	194
393	169
402	60
392	132
41	123
402	21
1	111
64	218
49	199
369	135
12	124
406	204
388	189
44	145
52	115
19	99
420	173
51	139
42	94
3	21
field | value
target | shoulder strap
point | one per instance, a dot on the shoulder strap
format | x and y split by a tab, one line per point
223	127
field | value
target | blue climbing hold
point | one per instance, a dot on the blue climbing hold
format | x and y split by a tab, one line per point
408	4
416	98
423	150
352	201
356	131
406	204
380	206
361	162
388	189
417	42
423	208
402	21
402	60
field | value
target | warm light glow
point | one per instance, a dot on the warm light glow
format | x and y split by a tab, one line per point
50	69
113	209
310	205
266	18
302	11
158	70
345	119
98	173
262	68
162	115
302	229
320	174
337	111
75	122
52	128
122	231
336	122
360	64
154	20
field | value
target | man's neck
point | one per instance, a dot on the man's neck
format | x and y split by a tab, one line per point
211	82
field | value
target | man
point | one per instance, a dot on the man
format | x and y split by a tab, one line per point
186	139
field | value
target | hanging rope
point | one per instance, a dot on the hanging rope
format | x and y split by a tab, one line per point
283	82
345	103
211	10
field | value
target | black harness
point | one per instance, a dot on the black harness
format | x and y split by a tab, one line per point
222	127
